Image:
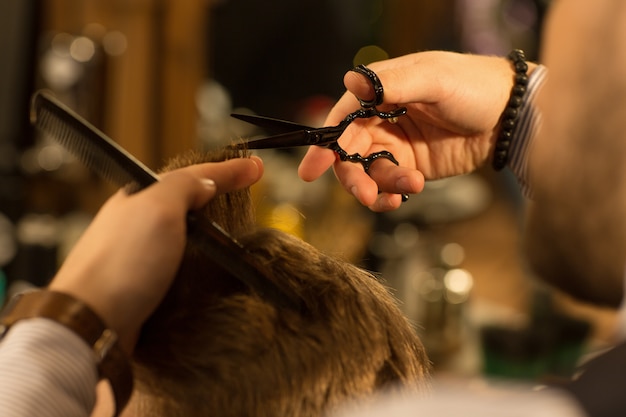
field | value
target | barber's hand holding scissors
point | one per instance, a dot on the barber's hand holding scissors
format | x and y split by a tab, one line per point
126	260
454	103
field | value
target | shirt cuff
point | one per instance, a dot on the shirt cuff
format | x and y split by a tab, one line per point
527	128
46	369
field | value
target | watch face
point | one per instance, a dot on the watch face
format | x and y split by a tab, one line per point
8	244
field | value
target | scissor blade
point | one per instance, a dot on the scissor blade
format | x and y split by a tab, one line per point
270	125
285	140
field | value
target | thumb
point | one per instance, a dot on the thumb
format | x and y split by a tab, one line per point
183	187
195	185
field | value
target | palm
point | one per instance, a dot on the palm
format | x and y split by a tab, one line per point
420	141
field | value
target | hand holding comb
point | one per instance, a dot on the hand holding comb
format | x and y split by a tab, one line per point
110	161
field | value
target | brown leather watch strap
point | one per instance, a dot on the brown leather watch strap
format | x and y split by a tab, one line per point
113	364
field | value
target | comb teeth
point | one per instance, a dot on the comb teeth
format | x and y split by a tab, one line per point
88	144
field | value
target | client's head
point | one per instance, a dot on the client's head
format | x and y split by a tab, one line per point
214	347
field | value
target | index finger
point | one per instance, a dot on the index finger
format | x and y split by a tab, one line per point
344	106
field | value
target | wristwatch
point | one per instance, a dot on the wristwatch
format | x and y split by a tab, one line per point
113	364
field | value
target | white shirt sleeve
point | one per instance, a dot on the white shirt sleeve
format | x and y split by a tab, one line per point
46	370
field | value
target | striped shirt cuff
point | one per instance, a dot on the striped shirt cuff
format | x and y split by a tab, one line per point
527	128
46	370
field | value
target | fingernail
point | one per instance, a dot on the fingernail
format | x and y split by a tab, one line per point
354	192
209	184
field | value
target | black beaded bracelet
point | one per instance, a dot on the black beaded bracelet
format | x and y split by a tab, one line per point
510	116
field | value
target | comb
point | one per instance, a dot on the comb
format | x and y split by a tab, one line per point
113	163
92	147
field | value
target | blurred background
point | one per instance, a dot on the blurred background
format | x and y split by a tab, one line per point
162	76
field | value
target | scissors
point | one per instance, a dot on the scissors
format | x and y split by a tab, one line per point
285	134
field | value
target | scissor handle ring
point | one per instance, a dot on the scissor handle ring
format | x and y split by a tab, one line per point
369	106
367	161
378	87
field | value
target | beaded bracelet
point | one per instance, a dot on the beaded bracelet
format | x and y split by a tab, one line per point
510	116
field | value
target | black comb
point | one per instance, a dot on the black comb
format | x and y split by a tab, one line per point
110	161
92	147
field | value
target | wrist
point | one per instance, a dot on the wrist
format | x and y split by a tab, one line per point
99	302
510	115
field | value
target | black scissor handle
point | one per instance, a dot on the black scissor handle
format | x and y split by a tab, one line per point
368	107
366	161
378	87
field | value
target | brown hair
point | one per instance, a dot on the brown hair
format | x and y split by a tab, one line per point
216	348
